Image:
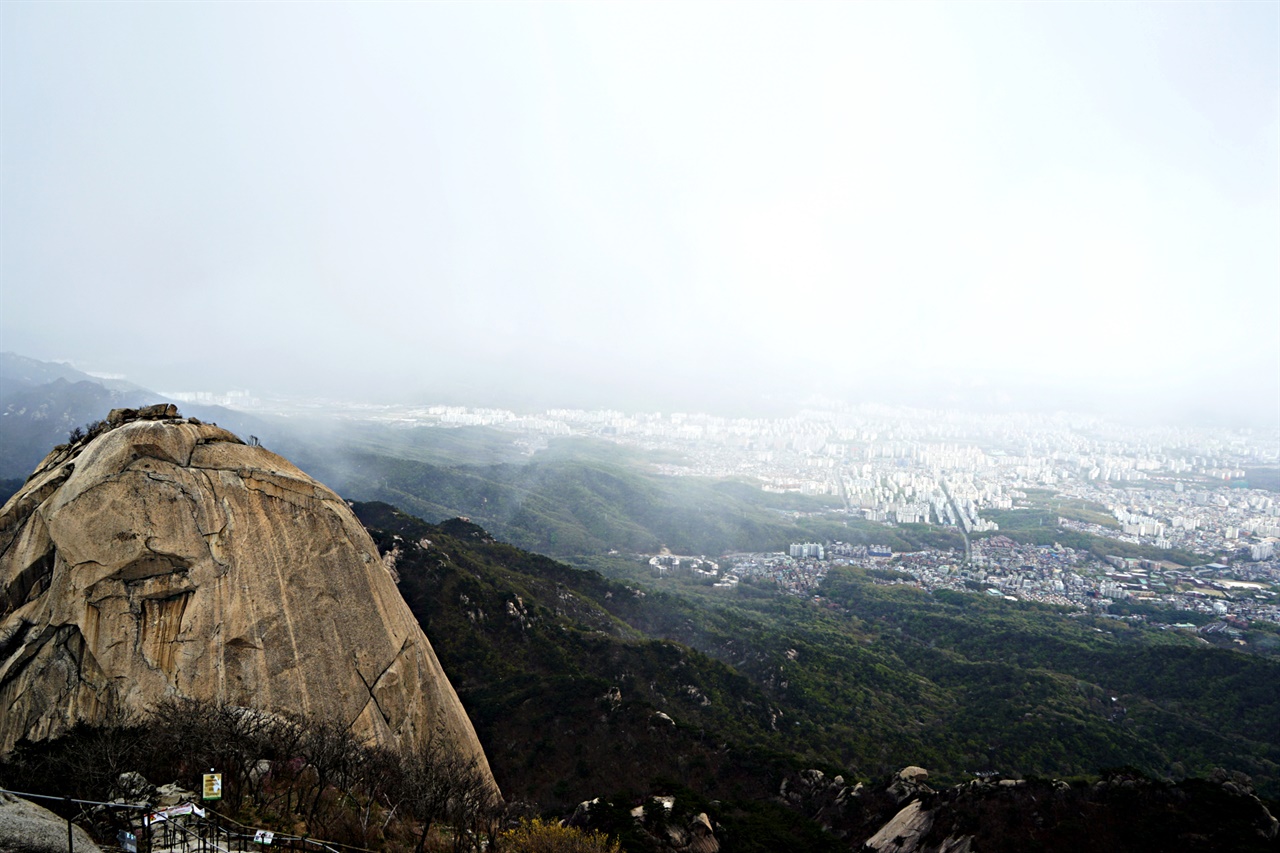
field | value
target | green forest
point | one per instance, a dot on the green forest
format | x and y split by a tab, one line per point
862	679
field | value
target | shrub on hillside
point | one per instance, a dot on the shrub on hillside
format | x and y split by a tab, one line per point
539	836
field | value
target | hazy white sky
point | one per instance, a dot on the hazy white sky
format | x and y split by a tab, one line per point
595	197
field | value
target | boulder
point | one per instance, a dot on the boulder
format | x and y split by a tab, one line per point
910	783
905	832
582	814
172	794
133	787
913	774
161	557
955	844
28	828
702	835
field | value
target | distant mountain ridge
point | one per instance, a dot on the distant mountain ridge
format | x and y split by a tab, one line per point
41	402
36	417
18	371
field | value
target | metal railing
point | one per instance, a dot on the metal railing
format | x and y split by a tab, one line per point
207	833
71	842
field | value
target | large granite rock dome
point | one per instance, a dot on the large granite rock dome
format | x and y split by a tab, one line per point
165	557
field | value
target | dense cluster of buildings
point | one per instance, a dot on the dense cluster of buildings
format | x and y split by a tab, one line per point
1002	567
1165	487
1187	512
1156	488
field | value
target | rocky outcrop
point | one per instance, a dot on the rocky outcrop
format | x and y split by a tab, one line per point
699	836
163	557
664	827
912	828
28	828
827	801
905	832
913	774
910	783
1126	810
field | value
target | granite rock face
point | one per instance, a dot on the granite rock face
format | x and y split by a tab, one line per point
163	557
28	828
905	833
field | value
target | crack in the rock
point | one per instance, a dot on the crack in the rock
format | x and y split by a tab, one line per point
404	647
29	583
146	543
370	687
26	507
372	698
15	638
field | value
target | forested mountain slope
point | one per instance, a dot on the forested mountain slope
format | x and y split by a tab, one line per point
862	680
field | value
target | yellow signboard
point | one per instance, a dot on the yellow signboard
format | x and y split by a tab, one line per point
213	786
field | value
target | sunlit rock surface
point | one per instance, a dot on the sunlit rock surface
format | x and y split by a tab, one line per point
165	557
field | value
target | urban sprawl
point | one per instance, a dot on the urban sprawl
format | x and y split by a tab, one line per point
1175	490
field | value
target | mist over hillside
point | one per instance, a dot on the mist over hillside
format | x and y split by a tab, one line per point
860	589
850	386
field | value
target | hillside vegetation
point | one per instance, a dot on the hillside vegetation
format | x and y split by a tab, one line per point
780	722
862	680
583	498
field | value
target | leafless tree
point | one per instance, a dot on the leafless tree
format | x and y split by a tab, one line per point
440	785
195	736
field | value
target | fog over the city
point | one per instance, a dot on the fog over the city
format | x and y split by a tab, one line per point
701	205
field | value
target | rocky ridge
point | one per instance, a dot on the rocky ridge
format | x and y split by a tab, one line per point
1125	811
157	556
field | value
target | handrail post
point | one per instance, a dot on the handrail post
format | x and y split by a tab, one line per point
71	844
